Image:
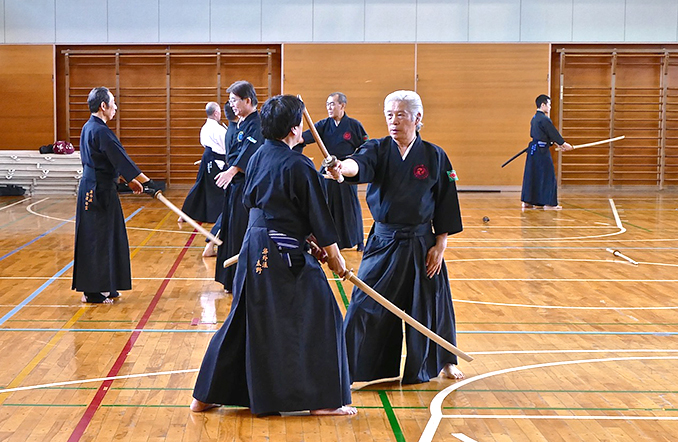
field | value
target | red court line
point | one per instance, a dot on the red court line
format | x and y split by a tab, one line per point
105	386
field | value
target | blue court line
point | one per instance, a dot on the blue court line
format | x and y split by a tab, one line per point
476	332
21	218
32	296
34	239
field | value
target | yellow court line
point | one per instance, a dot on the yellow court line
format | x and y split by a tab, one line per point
57	337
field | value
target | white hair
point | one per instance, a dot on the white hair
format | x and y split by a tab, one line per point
412	101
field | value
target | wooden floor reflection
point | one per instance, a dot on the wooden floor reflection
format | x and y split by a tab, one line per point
570	342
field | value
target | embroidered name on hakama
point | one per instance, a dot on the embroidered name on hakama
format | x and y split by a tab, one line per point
262	263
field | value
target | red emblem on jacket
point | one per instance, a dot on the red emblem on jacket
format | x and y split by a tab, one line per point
420	172
347	136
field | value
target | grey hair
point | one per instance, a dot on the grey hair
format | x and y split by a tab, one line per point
211	108
412	101
341	98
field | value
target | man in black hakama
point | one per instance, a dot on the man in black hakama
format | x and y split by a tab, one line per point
205	200
413	199
282	347
102	264
245	140
342	135
540	188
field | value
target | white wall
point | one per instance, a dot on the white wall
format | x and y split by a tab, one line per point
274	21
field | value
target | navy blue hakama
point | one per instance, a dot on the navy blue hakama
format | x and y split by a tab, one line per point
374	333
540	187
205	200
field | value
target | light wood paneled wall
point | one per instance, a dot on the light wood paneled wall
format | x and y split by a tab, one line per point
26	96
366	73
478	102
478	99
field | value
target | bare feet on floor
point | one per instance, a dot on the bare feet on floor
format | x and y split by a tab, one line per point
527	206
553	207
343	411
209	250
450	371
198	406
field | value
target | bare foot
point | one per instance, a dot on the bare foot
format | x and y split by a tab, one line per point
209	250
198	406
527	206
343	411
553	207
180	220
450	371
103	301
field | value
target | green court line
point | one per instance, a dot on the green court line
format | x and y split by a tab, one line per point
341	290
395	427
393	420
571	391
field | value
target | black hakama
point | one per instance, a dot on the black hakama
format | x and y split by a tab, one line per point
101	262
342	140
205	200
411	200
540	187
282	347
242	142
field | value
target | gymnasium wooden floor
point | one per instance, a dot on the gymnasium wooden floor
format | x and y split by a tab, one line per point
570	342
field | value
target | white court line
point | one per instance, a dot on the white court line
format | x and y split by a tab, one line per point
619	226
585	417
564	306
30	210
436	406
15	203
548	352
84	381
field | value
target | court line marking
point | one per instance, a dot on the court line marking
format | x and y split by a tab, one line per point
100	394
33	212
133	278
195	370
437	403
62	331
15	203
620	227
107	378
564	306
23	246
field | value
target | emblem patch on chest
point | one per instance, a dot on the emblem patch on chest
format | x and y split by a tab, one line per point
262	263
241	136
452	175
420	172
347	136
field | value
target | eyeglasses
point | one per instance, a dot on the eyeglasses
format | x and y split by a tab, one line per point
331	104
234	100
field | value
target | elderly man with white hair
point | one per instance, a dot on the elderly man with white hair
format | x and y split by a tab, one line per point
413	199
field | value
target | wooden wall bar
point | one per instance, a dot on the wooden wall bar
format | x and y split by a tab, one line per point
477	98
161	92
26	96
